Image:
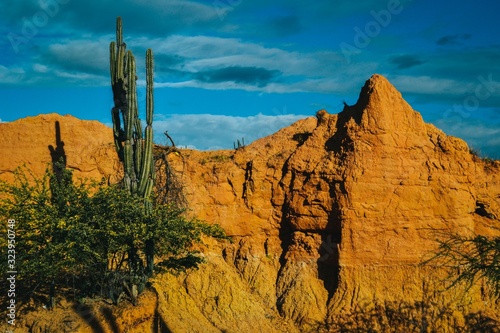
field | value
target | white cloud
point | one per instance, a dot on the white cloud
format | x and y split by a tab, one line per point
83	79
207	131
39	68
428	85
318	72
295	71
14	75
86	55
479	135
326	85
300	71
322	72
203	53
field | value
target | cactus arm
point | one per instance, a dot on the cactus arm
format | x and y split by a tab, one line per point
149	87
131	117
149	115
112	62
147	160
148	145
119	31
130	113
120	66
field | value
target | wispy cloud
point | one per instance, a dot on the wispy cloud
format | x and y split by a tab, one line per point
83	55
208	52
428	85
479	135
13	75
213	63
39	68
218	131
200	61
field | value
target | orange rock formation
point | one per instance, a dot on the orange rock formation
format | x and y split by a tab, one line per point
330	215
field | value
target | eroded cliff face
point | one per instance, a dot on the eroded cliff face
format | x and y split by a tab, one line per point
330	215
339	211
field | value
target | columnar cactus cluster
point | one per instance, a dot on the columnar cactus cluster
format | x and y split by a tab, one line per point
134	149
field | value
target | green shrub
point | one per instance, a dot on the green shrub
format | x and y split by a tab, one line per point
90	239
468	260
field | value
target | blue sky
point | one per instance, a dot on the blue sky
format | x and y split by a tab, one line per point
227	69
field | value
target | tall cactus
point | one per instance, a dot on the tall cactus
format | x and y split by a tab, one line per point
134	149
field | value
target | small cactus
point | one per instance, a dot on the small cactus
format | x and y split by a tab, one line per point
239	144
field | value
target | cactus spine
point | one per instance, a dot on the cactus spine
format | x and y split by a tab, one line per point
134	149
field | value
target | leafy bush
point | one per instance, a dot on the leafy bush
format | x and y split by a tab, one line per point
469	259
90	239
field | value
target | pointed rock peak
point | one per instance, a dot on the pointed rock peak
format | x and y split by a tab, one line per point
378	88
380	81
381	107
